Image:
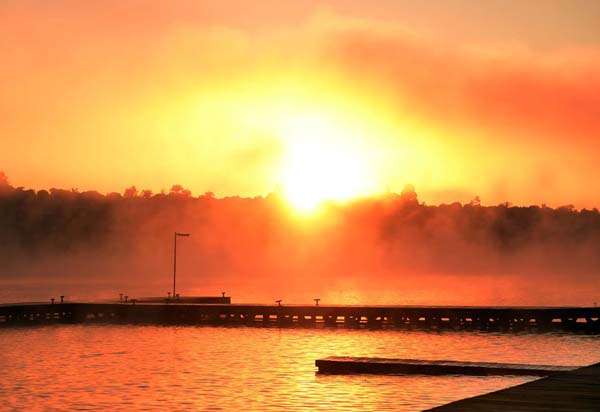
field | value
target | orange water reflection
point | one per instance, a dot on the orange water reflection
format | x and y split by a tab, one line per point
207	368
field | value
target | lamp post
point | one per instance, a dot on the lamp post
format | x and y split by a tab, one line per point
175	257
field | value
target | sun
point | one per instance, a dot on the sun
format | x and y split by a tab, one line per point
324	162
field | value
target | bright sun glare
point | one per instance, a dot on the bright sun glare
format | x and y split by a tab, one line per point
324	162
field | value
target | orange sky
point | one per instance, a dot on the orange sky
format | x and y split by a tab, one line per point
498	99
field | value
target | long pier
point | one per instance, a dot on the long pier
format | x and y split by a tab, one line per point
418	317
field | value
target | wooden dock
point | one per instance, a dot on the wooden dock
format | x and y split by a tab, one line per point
355	365
574	391
408	317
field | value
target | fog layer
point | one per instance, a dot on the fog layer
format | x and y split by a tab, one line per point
390	249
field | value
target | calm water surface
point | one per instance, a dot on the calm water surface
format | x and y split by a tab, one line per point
73	367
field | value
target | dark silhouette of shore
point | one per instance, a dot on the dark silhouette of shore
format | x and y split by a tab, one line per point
391	241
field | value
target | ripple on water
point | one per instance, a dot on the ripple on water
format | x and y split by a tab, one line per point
79	367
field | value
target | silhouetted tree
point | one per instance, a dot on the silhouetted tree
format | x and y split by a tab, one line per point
408	194
179	190
130	192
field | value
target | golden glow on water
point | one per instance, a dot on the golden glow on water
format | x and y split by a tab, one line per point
252	369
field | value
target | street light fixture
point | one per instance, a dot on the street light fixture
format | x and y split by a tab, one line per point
175	257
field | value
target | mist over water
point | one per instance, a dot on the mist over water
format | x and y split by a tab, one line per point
389	249
303	121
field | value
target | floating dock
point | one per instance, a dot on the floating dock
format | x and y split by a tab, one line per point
408	317
354	365
574	391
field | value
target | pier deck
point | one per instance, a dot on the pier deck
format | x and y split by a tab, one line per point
352	365
431	317
574	391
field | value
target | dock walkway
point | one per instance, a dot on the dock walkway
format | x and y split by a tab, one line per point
419	317
360	365
574	391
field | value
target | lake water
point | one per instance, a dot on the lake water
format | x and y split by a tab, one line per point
77	367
